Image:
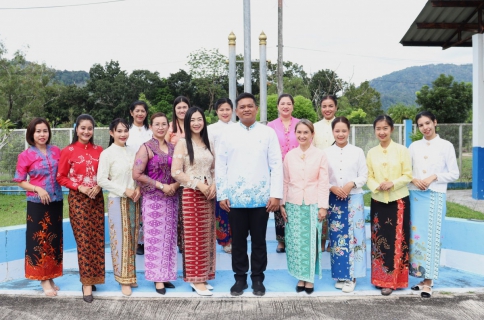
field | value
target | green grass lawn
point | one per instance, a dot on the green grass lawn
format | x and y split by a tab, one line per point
13	209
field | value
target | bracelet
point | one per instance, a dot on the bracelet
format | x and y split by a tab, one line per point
34	189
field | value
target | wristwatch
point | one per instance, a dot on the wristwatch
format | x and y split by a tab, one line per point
161	186
354	185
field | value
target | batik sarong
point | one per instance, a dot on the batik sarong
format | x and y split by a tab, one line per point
428	210
123	232
87	221
303	245
43	251
347	235
199	241
390	231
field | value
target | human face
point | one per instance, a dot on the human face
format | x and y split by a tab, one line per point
285	107
120	134
383	131
139	115
427	127
84	131
159	126
341	134
196	123
328	109
41	135
224	112
246	111
180	110
304	135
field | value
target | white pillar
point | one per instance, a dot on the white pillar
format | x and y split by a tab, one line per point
263	77
478	117
232	72
247	49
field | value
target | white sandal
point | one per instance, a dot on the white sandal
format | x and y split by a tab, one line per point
421	285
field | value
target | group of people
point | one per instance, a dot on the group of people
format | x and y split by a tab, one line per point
192	185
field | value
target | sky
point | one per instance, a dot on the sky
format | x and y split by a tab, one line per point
358	39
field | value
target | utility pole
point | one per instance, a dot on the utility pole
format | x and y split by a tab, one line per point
247	48
232	71
280	67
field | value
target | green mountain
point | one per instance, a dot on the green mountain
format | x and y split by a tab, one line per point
77	78
400	86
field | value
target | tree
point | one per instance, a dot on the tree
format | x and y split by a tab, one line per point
303	108
108	92
400	112
181	84
210	73
294	86
22	86
322	83
5	131
363	97
449	100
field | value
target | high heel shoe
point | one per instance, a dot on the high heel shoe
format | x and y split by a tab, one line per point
209	287
88	298
94	288
160	291
205	292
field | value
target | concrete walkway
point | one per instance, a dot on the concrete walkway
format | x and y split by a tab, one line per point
464	197
442	307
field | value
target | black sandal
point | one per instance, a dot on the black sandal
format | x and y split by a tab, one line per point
426	294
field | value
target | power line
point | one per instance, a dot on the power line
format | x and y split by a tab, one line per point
360	55
63	6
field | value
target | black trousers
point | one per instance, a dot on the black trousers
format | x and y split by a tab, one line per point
245	221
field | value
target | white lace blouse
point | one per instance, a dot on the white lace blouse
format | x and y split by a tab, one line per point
189	175
115	168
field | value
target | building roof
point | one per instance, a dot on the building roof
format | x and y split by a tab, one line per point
446	24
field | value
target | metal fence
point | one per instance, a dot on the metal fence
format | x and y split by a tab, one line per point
362	136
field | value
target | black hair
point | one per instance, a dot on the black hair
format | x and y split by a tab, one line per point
244	96
174	123
427	114
158	115
83	117
385	118
331	97
340	119
188	132
221	101
132	107
114	125
29	134
285	95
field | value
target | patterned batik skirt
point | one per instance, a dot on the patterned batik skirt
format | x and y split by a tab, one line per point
428	210
224	234
43	252
123	230
347	235
199	241
390	231
280	225
141	237
160	218
87	221
303	247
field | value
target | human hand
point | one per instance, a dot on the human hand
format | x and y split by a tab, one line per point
429	180
322	214
225	205
273	205
283	213
43	195
385	186
137	194
93	192
419	184
348	187
339	192
129	193
212	191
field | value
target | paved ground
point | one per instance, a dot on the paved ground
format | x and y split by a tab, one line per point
442	307
464	197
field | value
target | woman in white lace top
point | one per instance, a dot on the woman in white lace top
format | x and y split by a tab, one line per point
193	168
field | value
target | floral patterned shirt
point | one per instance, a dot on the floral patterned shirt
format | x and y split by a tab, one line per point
78	165
41	169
